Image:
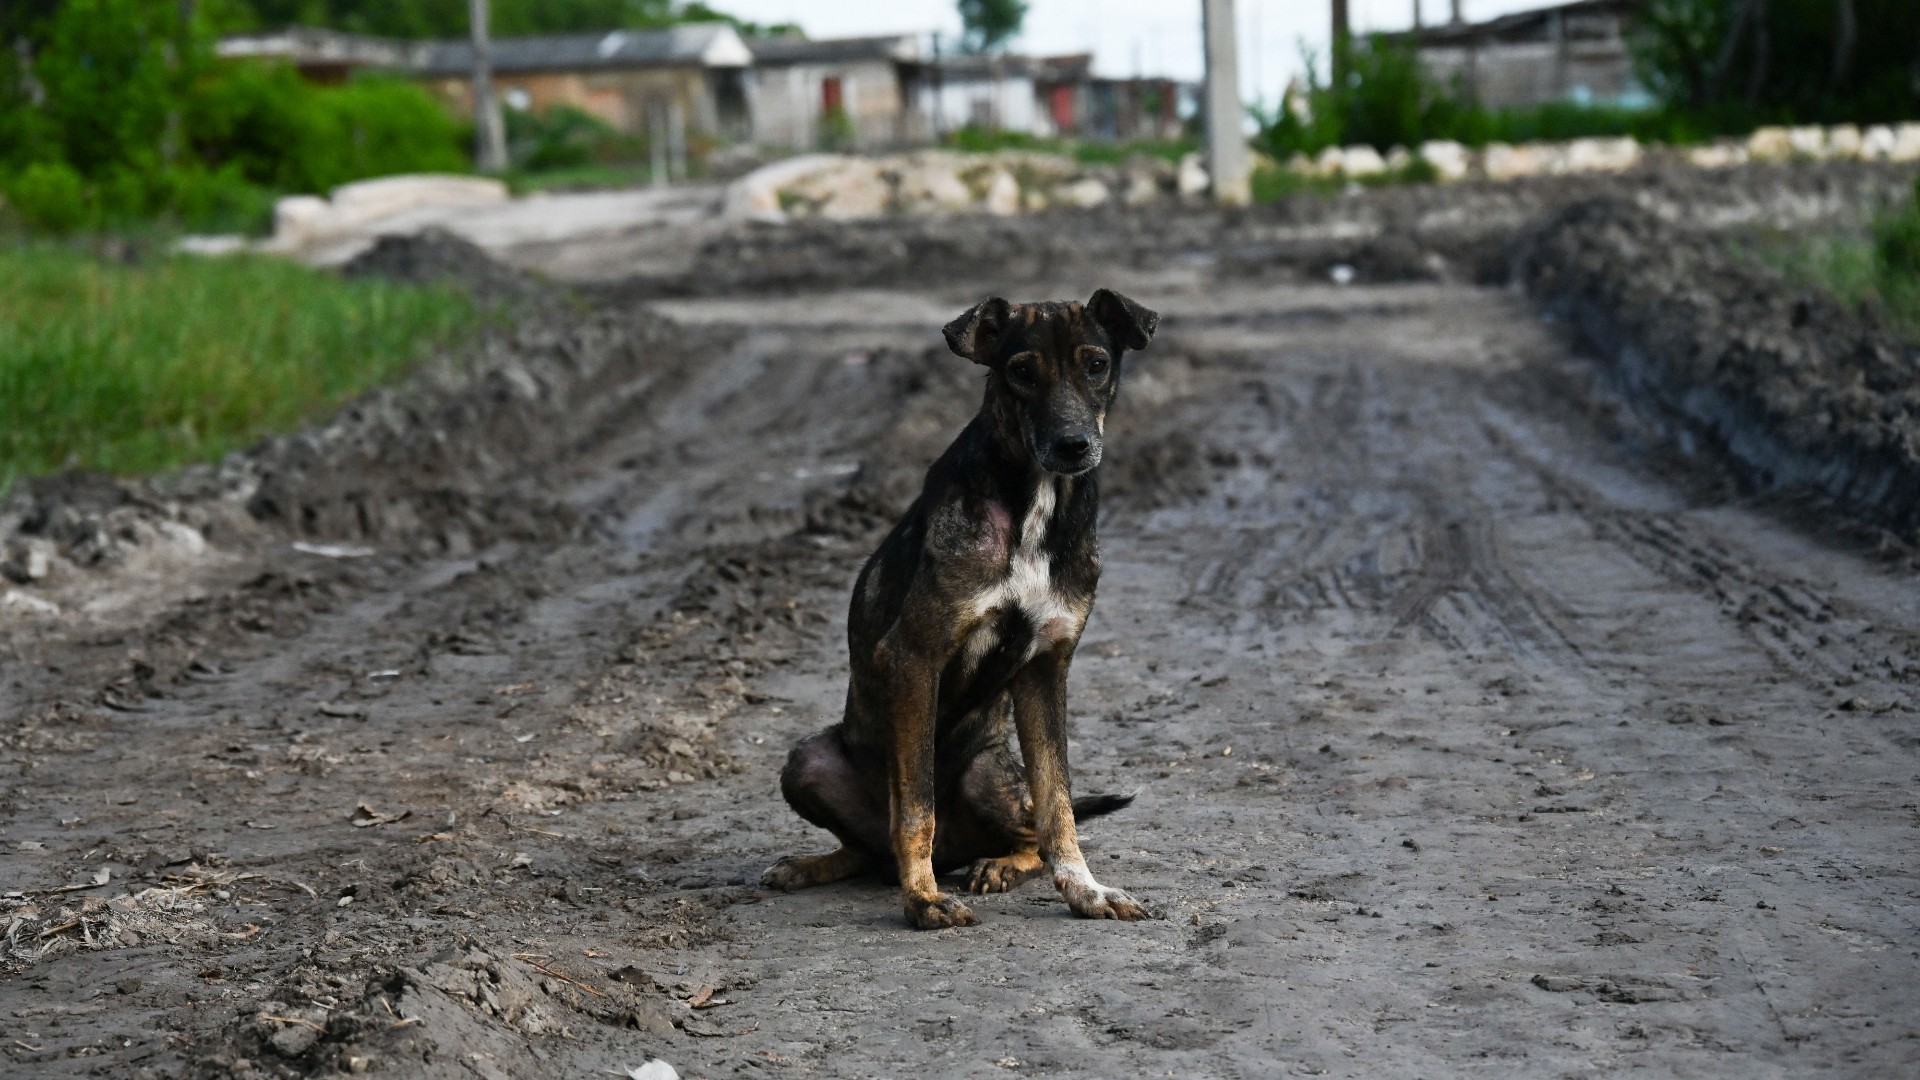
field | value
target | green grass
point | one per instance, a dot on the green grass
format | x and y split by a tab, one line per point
579	178
974	140
129	369
1880	269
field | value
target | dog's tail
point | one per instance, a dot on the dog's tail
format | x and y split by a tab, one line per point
1093	806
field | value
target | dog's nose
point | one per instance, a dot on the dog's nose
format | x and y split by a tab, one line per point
1072	448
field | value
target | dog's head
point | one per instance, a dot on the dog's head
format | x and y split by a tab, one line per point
1055	368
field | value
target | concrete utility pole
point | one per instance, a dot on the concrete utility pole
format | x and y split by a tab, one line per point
1227	159
1458	17
489	130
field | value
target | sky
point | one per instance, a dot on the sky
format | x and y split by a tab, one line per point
1128	37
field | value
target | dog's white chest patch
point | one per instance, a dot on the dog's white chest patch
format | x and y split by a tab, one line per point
1028	585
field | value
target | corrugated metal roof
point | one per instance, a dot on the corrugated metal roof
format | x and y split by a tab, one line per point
705	44
799	50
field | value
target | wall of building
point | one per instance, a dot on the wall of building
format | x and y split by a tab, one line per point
789	103
621	98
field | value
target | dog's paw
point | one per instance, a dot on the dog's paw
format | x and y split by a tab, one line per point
939	913
1095	901
1003	873
789	874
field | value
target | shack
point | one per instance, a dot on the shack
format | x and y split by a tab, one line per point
1574	52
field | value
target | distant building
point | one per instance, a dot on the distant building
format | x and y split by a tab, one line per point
1573	52
848	92
327	57
624	77
783	91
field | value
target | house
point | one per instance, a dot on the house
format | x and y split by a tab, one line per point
625	77
327	57
846	92
1574	52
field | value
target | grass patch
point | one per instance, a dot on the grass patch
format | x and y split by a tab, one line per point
1880	269
130	369
1272	182
977	140
579	178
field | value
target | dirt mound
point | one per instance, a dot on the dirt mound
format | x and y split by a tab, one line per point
440	257
1799	392
1453	232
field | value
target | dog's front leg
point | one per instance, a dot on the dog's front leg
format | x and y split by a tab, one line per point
1040	713
914	695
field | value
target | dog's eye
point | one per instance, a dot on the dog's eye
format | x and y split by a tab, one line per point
1097	364
1021	371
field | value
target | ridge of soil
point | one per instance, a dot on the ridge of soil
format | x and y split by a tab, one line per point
1796	390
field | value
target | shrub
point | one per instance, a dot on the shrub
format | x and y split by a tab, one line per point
566	137
50	196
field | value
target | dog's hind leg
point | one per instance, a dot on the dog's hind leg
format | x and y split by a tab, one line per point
996	797
823	787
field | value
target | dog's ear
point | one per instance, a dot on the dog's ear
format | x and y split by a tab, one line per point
977	334
1130	325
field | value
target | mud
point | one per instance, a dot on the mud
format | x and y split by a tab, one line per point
1803	394
1476	733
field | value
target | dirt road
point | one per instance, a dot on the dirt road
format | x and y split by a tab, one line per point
1471	740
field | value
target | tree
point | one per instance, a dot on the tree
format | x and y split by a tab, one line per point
990	24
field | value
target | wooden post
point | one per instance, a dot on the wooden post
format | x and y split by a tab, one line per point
1227	158
1342	31
489	129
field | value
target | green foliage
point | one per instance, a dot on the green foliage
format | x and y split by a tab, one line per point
565	138
990	24
980	140
1786	61
132	368
1880	269
50	196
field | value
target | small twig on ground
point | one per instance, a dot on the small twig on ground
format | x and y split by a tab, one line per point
528	959
294	1020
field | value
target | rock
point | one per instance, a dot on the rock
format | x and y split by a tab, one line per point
1716	155
1906	143
841	189
1142	189
1601	155
1807	140
1362	161
365	201
1327	162
1770	143
1502	161
298	219
1843	141
1399	158
1190	179
1448	158
929	183
756	196
1877	143
654	1069
1003	194
28	559
1083	194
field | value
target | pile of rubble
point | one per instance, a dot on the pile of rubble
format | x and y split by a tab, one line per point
1505	161
837	187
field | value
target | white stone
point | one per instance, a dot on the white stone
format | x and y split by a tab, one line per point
1843	141
1399	158
1083	194
1716	155
1362	161
366	201
1770	143
1328	162
1601	155
298	219
1142	189
1003	194
931	182
756	196
1877	142
1448	158
1502	161
1906	143
1191	180
1807	140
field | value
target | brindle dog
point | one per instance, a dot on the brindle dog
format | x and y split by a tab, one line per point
962	628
